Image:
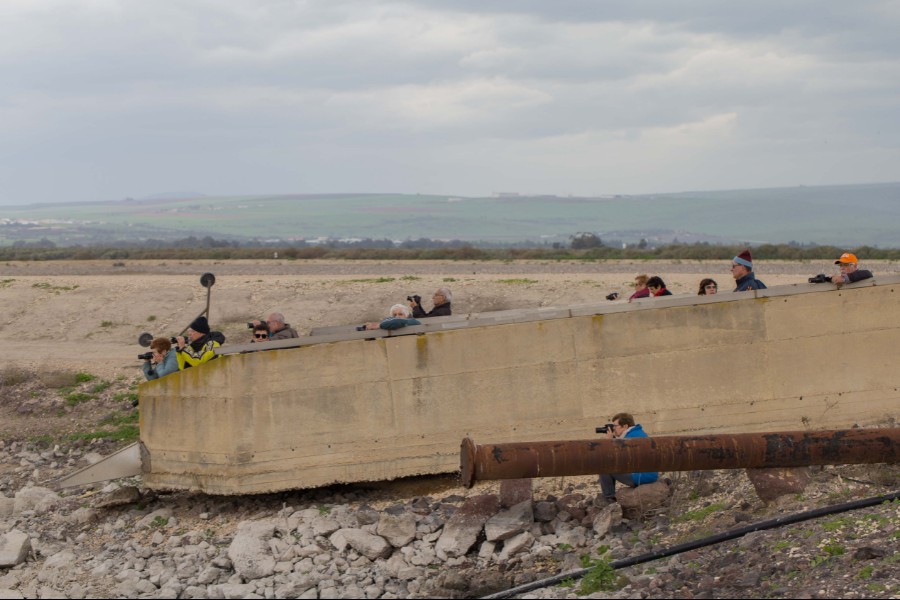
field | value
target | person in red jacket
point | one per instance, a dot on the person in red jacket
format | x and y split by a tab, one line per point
657	287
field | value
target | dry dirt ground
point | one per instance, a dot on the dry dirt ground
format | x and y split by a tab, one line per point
66	317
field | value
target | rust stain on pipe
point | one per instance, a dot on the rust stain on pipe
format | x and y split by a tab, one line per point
518	460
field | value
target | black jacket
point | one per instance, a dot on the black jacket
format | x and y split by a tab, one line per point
442	310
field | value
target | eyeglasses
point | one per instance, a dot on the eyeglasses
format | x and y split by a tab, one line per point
711	287
260	336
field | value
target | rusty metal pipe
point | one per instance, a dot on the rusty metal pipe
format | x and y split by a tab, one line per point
677	453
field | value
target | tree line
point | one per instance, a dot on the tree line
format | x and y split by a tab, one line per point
203	248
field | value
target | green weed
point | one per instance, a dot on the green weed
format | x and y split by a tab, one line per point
6	282
410	278
875	587
449	279
519	281
159	521
324	510
151	318
76	398
83	377
101	387
126	433
699	514
865	572
568	582
106	323
601	576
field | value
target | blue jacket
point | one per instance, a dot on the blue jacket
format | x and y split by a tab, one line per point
749	282
640	478
397	322
168	365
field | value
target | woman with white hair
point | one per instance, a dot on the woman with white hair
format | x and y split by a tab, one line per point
441	300
399	318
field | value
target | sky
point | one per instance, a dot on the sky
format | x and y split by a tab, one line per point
107	99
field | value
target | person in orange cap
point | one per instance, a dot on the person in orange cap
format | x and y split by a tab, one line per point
850	271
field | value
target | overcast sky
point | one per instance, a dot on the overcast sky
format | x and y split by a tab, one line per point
103	99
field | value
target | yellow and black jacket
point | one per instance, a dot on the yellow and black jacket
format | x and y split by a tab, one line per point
197	352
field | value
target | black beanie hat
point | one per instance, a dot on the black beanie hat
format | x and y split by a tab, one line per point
200	325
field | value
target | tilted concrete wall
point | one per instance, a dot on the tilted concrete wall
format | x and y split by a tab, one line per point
788	358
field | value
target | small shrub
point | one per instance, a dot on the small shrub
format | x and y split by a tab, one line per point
76	398
106	323
101	387
865	572
410	278
129	396
601	576
13	376
83	377
6	282
118	264
518	281
159	521
450	279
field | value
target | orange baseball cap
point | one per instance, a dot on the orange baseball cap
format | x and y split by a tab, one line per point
846	257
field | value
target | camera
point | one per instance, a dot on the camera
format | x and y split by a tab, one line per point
173	340
606	428
250	325
417	299
820	278
145	356
360	327
612	296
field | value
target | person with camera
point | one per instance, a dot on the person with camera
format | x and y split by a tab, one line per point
198	347
623	427
160	361
849	270
742	271
441	300
400	317
278	329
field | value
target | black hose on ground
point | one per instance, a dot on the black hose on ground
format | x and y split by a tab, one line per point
707	541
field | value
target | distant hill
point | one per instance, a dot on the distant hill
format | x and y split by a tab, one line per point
842	215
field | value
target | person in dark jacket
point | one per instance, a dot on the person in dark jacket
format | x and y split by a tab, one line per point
278	329
624	427
850	271
657	287
198	347
441	300
742	271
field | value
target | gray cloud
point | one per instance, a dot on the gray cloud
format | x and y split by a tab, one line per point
122	98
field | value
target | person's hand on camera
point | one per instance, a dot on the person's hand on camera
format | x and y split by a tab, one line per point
371	326
181	341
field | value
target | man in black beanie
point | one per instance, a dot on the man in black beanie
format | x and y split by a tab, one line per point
198	347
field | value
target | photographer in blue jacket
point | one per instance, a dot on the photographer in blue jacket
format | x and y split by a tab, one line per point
623	426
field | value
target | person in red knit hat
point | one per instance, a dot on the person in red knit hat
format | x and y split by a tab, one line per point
742	271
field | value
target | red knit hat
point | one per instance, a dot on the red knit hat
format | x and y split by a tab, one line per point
744	259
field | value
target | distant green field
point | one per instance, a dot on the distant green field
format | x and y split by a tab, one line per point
849	215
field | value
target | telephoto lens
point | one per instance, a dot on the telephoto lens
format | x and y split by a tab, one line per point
145	356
